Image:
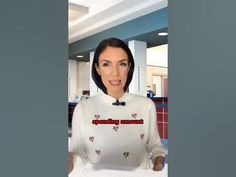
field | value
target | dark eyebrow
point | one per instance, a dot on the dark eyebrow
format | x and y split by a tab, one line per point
123	60
104	60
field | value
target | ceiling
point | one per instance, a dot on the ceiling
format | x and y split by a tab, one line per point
89	17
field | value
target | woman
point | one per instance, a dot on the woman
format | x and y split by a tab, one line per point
115	127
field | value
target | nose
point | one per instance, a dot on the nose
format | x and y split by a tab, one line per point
115	70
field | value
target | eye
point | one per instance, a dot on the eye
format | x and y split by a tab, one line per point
123	64
105	64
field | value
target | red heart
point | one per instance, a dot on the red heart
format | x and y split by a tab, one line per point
141	136
134	115
126	154
91	138
115	128
97	116
98	152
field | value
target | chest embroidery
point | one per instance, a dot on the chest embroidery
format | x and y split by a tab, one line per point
98	152
91	138
134	115
97	116
142	136
126	154
115	128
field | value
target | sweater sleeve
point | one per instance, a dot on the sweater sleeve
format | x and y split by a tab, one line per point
153	142
77	146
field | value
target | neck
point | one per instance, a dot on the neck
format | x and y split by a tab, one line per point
116	95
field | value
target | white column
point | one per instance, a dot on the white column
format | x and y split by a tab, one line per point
139	82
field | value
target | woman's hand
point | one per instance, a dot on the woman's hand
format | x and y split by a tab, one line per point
158	163
70	165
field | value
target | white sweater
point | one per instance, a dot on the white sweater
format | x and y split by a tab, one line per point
103	133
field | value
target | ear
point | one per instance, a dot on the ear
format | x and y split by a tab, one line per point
97	69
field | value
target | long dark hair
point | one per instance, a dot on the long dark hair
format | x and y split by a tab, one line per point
111	42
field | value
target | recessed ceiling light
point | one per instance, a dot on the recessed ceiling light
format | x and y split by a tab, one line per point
79	56
163	34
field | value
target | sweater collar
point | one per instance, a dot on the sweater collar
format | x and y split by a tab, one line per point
109	99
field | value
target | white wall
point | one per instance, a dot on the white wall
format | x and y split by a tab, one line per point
78	78
83	76
72	79
157	65
158	56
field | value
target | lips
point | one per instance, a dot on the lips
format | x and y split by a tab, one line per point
115	82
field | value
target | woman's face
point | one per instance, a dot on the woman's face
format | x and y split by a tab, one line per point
113	67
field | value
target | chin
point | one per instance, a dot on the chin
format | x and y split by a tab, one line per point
115	90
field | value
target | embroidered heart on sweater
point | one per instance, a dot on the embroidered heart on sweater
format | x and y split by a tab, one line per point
126	154
91	138
98	152
115	128
134	115
141	136
97	116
